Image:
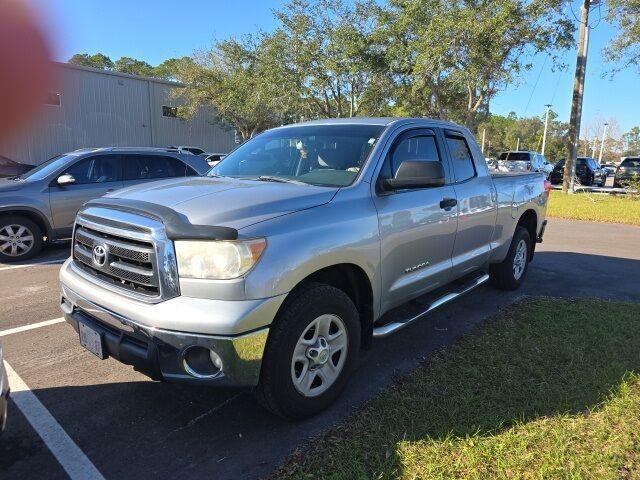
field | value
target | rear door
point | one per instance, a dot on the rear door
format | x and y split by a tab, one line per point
477	204
416	228
94	176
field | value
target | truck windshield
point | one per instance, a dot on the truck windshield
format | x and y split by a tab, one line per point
328	155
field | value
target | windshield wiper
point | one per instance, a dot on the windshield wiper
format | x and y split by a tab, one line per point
269	178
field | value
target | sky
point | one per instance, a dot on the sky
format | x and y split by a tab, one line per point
154	30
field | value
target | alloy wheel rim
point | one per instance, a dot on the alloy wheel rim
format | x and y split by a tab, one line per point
520	259
15	240
319	355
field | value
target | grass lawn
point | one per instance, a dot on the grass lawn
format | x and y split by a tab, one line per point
548	389
597	208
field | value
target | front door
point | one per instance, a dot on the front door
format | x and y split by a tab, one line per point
417	229
93	177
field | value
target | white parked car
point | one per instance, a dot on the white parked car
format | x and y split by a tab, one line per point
214	158
523	162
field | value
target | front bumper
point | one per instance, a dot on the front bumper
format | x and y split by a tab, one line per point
155	338
160	353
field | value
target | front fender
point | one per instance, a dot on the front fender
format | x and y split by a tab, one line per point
344	231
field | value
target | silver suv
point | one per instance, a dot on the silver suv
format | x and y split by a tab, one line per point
40	206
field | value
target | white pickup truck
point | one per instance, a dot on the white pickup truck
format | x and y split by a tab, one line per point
294	252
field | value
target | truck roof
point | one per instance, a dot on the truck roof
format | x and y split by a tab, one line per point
384	121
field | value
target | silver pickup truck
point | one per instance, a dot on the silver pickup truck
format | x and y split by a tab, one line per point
294	252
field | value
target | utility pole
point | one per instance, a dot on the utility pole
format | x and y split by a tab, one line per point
578	93
604	136
518	145
484	132
546	126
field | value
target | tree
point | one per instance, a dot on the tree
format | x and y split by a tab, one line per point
503	133
170	68
331	57
133	67
98	60
631	141
624	49
461	53
236	78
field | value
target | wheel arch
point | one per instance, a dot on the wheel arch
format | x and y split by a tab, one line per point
355	283
32	214
529	220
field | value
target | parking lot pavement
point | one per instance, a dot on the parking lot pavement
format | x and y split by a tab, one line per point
130	427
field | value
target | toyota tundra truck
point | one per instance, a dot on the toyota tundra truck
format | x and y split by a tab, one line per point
294	252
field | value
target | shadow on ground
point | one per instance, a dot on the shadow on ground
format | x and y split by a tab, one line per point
146	429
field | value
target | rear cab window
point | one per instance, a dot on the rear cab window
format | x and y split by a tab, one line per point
461	158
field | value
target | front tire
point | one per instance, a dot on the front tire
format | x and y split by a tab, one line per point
20	239
312	349
510	273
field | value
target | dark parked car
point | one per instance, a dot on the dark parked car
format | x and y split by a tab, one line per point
9	168
588	172
40	206
629	168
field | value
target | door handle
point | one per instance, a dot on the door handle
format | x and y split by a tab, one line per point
110	190
448	203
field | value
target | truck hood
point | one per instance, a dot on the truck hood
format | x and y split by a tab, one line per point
226	201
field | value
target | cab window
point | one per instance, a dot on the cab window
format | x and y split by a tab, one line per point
420	148
463	167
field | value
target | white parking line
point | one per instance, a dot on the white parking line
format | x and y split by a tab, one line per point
46	262
24	328
72	459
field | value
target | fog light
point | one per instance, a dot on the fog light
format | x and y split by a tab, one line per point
201	362
215	359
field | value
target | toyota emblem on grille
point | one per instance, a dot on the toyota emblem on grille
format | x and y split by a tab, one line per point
99	255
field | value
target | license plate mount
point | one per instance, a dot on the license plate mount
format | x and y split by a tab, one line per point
91	340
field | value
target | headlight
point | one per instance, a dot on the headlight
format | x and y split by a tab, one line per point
217	260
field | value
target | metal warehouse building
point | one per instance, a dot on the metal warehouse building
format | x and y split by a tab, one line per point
98	108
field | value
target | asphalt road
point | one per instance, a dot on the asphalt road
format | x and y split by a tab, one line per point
130	427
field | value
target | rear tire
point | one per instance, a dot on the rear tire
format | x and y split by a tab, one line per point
20	239
303	344
510	273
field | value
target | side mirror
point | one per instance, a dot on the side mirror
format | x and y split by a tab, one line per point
66	179
417	174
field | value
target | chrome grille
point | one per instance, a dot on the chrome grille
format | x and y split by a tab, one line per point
126	263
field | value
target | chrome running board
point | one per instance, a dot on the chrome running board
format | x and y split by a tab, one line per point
389	328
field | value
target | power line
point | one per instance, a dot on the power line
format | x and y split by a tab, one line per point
555	90
535	85
599	17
